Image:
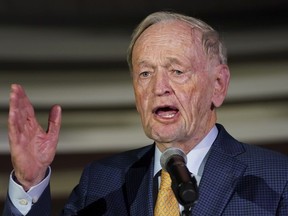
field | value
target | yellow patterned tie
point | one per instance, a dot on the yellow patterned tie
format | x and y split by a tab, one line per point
166	204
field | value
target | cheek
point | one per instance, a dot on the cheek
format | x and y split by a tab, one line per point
205	94
195	96
141	100
189	92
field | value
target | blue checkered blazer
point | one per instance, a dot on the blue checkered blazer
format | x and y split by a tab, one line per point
238	180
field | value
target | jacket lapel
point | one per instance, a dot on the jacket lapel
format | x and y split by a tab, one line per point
139	185
221	173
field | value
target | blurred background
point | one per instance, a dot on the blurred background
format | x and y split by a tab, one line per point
73	53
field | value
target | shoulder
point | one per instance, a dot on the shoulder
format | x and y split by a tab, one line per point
264	157
123	160
111	172
252	155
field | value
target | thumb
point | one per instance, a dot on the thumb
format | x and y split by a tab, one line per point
54	121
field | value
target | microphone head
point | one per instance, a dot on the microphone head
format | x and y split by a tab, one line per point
168	154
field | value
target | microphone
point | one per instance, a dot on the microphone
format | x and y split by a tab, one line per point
184	186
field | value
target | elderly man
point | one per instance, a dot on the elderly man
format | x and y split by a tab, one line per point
180	77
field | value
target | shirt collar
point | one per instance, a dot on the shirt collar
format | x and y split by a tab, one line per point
195	157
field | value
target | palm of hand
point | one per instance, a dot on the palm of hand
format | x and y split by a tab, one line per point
32	148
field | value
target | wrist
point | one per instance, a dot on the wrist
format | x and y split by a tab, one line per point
27	184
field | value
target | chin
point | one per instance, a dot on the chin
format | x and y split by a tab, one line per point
163	138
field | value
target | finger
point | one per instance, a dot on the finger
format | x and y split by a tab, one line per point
20	102
23	101
54	122
13	126
21	112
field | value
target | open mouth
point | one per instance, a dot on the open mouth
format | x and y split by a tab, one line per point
166	111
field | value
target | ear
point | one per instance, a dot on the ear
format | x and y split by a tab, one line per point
222	79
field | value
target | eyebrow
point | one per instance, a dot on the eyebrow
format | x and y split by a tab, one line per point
171	60
143	63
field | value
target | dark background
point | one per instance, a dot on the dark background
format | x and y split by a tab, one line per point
50	46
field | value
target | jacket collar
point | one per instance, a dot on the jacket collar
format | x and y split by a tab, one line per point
139	183
221	173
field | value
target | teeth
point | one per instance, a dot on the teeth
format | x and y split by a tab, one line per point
167	114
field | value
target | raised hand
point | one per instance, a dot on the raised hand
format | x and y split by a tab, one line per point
32	148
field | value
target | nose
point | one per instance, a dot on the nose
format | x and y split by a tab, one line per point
161	84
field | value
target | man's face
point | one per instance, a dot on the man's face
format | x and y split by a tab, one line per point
173	84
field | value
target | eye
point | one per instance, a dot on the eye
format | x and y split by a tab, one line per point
178	72
145	74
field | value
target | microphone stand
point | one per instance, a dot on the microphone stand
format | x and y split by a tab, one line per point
185	192
187	211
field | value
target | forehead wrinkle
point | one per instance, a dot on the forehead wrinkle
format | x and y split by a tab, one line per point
196	39
193	44
166	62
144	64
